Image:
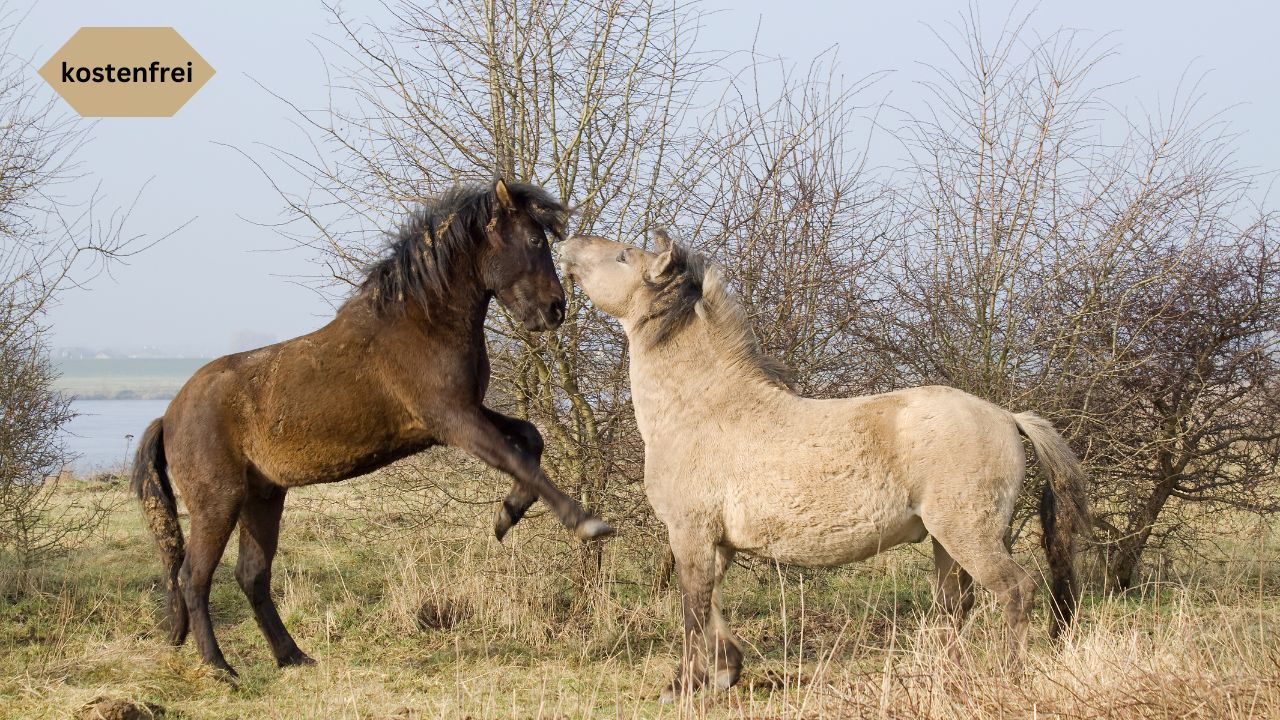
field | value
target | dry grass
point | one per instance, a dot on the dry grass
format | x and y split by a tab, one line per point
408	624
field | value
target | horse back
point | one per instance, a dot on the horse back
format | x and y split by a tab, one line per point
323	407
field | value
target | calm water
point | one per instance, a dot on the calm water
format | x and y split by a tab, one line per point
97	434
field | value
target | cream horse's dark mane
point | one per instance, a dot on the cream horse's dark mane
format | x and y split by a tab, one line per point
694	287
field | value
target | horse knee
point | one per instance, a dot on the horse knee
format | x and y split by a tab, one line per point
245	578
949	601
959	600
186	583
530	439
1019	600
1025	595
953	594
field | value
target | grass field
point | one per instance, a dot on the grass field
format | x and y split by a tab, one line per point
407	622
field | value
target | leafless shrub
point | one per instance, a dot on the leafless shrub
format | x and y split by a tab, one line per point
784	200
46	243
1126	290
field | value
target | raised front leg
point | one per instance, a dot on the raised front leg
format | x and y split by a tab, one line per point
526	437
474	432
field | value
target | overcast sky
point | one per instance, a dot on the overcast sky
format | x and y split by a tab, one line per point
224	276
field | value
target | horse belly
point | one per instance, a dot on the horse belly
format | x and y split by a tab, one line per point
798	529
302	449
332	464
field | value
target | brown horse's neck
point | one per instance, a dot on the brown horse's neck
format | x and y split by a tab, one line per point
459	317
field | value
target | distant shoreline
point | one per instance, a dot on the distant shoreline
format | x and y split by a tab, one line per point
120	395
125	378
103	434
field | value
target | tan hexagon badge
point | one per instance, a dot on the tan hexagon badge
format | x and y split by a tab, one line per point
126	71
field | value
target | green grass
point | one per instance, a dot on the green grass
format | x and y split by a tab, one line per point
350	581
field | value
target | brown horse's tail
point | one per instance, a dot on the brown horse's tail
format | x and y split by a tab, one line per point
1064	513
160	508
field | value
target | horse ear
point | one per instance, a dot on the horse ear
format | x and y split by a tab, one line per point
667	260
504	195
661	266
667	263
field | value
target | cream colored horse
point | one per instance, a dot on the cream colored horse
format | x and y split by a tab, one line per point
737	462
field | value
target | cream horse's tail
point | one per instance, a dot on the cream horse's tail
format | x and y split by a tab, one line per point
1064	513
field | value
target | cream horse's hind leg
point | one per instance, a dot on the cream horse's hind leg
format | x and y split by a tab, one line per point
952	594
978	548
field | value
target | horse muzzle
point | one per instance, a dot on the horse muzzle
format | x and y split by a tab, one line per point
568	249
547	318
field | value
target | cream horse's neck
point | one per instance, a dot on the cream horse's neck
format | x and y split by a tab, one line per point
693	376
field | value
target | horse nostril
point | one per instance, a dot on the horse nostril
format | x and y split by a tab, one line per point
557	311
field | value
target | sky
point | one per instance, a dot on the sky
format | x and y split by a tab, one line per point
226	279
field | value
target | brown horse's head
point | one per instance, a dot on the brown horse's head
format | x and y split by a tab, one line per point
472	242
517	266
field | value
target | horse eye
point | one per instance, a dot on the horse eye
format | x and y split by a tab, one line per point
622	256
535	241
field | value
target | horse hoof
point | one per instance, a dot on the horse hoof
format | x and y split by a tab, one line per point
502	522
226	674
726	678
296	658
667	697
593	529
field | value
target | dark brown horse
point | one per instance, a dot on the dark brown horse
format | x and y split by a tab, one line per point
402	367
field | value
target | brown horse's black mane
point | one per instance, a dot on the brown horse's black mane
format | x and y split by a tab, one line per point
444	233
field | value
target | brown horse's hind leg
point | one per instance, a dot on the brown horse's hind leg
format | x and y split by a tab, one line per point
952	593
212	519
259	533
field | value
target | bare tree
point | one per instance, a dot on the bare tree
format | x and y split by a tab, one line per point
1199	319
1110	287
46	243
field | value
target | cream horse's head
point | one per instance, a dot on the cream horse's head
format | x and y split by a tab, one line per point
623	280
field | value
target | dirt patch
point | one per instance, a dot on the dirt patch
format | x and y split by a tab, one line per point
105	708
440	614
